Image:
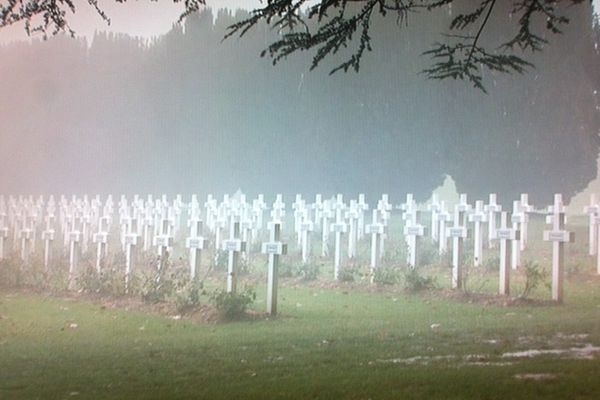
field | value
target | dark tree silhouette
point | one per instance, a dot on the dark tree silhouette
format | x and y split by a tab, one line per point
330	26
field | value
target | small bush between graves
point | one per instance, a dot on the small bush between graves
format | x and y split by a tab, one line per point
220	261
187	294
232	306
395	254
386	275
156	286
535	275
491	262
348	274
428	252
309	271
11	271
415	282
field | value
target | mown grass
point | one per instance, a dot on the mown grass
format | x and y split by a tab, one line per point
345	341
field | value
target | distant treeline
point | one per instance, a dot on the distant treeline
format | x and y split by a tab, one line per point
192	113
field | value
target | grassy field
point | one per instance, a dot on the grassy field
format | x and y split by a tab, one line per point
330	341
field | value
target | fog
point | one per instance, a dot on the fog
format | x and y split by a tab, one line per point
190	113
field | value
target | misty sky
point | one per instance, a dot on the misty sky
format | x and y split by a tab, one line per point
150	95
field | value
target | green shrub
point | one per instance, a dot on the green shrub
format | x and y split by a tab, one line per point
415	282
187	294
386	275
348	274
395	254
11	271
232	306
308	271
534	276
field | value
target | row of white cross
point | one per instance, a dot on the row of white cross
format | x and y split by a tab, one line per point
156	222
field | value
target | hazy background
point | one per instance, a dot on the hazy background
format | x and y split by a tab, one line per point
183	112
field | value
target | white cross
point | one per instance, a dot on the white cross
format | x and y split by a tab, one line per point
525	209
163	240
376	230
195	242
234	246
458	233
592	211
517	219
306	227
352	216
274	248
74	247
326	215
413	231
504	234
131	242
101	240
434	209
558	236
492	208
443	217
362	207
3	234
477	217
339	227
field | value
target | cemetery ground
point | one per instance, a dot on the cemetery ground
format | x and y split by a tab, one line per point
407	336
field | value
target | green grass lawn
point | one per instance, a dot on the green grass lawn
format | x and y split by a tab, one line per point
330	341
327	343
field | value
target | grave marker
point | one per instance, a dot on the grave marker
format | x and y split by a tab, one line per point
458	233
376	230
413	231
234	246
558	236
195	242
592	210
492	208
274	248
504	234
339	228
477	217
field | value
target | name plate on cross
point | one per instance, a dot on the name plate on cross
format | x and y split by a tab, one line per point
338	228
306	226
375	229
74	236
276	248
194	243
414	230
163	241
100	237
517	218
559	236
234	245
46	235
26	234
460	232
131	239
507	234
